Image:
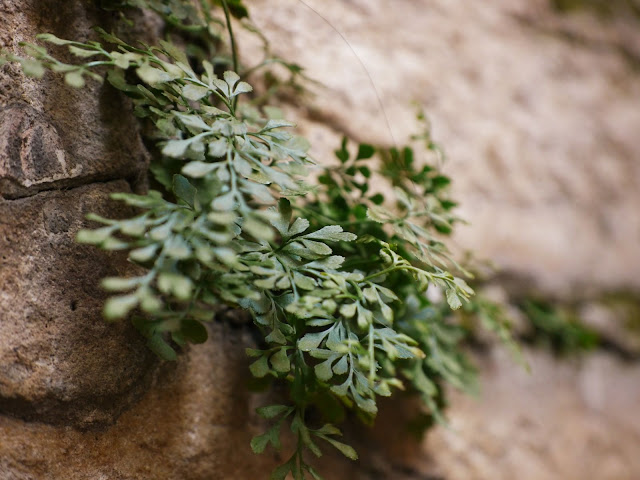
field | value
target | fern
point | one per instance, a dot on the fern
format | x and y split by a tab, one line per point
333	275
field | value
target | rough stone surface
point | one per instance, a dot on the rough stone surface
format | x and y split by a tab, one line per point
32	151
562	421
195	423
59	361
55	136
617	321
565	421
538	113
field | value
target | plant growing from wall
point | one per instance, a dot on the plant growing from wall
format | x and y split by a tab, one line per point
333	274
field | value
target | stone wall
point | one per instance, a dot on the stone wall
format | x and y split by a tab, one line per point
80	398
538	114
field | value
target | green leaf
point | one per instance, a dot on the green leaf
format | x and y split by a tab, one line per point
299	226
231	78
259	230
198	169
227	256
150	200
152	75
343	153
366	172
453	300
281	472
242	87
272	411
440	181
331	233
311	341
184	190
118	307
218	148
328	429
144	254
118	284
32	68
317	247
342	366
178	248
123	61
236	7
280	361
195	92
136	227
94	237
114	244
176	284
194	331
194	122
323	370
304	282
51	38
82	52
273	124
160	347
365	151
377	199
314	474
281	222
346	450
176	148
379	214
348	310
260	367
260	442
224	202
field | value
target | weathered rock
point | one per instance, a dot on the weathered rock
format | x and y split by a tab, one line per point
538	113
60	362
195	424
56	136
562	421
616	318
31	151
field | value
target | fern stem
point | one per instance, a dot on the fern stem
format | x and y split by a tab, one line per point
232	39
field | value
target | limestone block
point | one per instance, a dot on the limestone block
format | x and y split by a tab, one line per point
60	362
538	114
563	420
194	424
31	152
53	135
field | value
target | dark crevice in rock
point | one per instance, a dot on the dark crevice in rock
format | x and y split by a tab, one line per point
18	193
617	334
83	412
606	345
565	32
397	472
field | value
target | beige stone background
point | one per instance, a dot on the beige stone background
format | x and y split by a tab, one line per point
539	113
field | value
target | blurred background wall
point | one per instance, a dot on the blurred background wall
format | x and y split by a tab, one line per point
537	105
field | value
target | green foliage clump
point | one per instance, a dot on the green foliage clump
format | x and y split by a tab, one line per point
334	274
557	328
604	8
